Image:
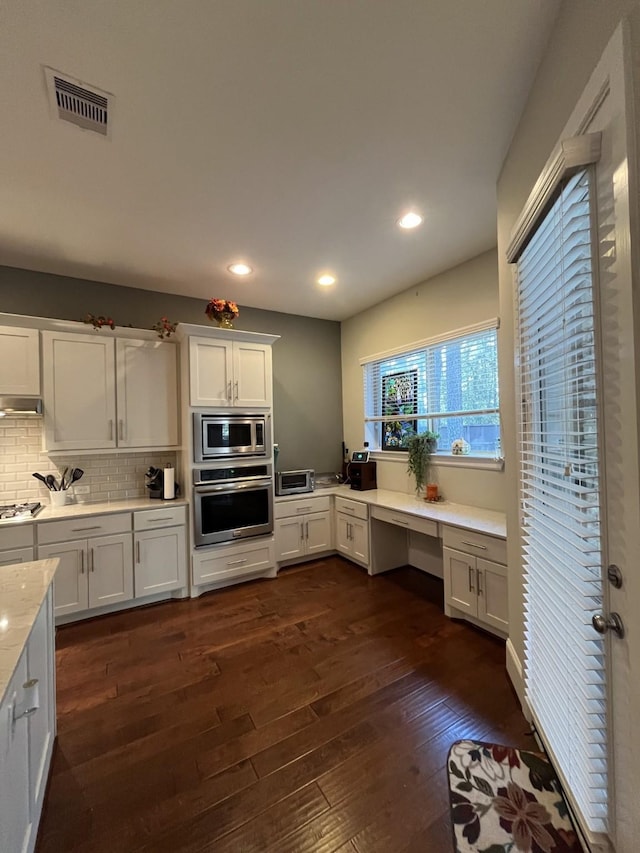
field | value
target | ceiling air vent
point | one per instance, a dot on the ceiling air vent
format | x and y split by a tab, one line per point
75	102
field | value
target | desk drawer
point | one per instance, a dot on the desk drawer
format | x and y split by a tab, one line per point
354	508
302	506
83	528
404	519
479	544
164	516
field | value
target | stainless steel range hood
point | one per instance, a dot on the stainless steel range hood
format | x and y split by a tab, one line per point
20	406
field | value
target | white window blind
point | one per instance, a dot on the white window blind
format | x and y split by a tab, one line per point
565	675
449	386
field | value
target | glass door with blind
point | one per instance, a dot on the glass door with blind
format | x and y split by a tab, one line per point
561	494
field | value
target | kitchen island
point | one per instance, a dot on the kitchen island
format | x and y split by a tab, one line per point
27	698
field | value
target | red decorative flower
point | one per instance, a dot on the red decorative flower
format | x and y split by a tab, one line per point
504	753
219	308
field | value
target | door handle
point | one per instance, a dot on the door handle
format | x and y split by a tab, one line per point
478	579
110	429
138	552
93	564
229	391
306	535
121	429
302	530
471	573
612	622
474	545
236	387
82	562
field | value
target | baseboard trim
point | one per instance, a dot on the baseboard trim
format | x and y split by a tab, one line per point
514	671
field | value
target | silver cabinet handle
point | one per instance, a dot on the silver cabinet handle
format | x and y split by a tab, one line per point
347	509
302	530
236	562
121	429
229	391
84	529
303	509
137	552
28	712
399	521
471	573
478	581
93	564
307	530
236	387
160	518
475	545
82	562
350	531
110	429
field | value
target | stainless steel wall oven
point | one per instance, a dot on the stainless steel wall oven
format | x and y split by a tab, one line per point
232	502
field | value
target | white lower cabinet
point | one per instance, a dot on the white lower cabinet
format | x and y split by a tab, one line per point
27	732
234	562
16	544
92	573
475	586
352	530
160	550
95	570
303	528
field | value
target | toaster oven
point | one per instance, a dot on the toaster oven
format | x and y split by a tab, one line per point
295	482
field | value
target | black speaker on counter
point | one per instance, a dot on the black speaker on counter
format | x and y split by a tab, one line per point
362	476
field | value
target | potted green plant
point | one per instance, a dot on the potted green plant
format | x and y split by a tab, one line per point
419	450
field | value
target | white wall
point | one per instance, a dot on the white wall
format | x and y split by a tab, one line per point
459	297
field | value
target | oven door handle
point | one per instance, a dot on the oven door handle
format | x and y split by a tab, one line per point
206	489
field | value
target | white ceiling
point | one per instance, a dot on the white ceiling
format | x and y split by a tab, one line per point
287	133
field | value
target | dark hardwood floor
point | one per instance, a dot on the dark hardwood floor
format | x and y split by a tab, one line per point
309	713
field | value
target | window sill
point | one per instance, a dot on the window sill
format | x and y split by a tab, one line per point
445	460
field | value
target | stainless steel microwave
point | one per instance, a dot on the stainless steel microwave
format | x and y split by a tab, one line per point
295	482
230	434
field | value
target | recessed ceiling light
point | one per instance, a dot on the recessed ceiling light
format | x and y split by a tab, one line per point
240	269
327	279
410	220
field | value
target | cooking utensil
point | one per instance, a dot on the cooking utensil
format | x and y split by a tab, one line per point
62	485
42	479
52	482
76	473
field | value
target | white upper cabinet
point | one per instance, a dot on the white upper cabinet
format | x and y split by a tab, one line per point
210	372
79	391
227	373
147	393
19	362
101	393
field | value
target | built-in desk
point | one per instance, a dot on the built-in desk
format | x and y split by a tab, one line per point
464	545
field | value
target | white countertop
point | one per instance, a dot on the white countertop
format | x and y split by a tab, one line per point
81	510
23	588
457	515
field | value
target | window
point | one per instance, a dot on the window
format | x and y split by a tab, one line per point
448	385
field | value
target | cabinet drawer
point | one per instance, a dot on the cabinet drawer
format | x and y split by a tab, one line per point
164	516
83	528
479	544
302	506
18	536
233	562
17	555
354	508
403	519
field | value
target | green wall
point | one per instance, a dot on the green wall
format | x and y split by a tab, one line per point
307	382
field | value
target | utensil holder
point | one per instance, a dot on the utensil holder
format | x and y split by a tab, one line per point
58	498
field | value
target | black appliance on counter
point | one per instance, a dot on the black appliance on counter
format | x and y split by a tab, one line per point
362	475
154	481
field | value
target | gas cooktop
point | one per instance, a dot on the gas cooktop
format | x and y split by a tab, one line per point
19	512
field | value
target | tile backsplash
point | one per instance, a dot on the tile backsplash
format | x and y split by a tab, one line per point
110	476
